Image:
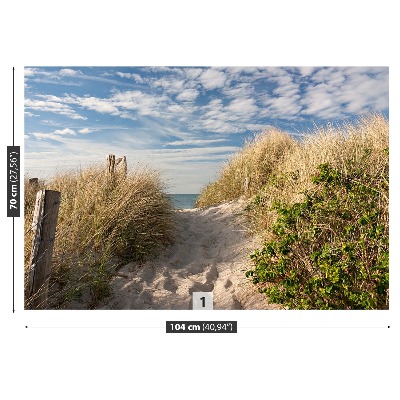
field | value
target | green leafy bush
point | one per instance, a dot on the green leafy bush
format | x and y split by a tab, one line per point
331	250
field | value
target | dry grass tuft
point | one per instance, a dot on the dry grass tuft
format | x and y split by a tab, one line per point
249	169
102	223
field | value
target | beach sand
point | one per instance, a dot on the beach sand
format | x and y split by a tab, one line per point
210	253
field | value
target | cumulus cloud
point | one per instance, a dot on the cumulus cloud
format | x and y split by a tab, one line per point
339	92
143	103
242	107
50	122
306	71
86	130
282	107
65	131
136	77
188	95
169	85
234	117
97	104
30	71
244	89
69	72
58	134
212	78
193	73
47	135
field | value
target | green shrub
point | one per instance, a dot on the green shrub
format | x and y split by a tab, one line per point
331	250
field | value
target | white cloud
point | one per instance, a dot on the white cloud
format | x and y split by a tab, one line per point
170	70
212	78
193	73
236	117
306	71
65	131
30	71
136	77
169	85
242	107
59	135
97	104
48	135
288	90
69	72
144	103
362	92
215	104
53	107
244	70
86	130
50	122
282	79
175	109
188	95
239	90
282	107
339	92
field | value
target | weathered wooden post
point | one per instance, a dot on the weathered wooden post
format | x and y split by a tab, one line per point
111	164
44	229
124	166
34	182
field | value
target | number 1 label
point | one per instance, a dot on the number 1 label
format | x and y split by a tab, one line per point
202	301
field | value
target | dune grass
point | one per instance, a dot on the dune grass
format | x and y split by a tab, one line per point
102	223
321	205
249	170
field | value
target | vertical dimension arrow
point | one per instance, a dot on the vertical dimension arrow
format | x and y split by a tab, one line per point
13	185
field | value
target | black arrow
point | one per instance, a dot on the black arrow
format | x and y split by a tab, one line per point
13	217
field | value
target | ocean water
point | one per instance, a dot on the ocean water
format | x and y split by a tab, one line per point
181	201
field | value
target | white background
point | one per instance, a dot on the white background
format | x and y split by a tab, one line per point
115	354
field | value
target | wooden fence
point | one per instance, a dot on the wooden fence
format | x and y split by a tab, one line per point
112	163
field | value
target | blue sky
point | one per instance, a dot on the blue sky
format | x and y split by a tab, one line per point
184	121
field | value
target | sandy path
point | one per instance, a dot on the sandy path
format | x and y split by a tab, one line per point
211	253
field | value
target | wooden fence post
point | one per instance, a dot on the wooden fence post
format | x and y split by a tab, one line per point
34	182
124	166
44	229
111	164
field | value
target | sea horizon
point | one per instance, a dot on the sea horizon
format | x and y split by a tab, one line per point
182	201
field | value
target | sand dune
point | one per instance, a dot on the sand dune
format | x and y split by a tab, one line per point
210	253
